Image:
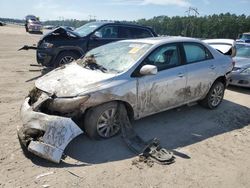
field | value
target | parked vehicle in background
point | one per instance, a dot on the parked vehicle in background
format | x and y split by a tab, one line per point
245	37
63	46
144	76
241	72
49	27
225	46
2	23
33	24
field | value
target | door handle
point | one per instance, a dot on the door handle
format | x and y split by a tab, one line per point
180	75
212	67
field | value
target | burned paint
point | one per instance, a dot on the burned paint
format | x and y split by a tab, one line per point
72	80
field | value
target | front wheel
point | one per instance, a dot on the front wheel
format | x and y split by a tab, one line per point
214	96
65	58
103	121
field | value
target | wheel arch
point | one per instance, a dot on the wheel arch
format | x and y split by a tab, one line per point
128	106
222	79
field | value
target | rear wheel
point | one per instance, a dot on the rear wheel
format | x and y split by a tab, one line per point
65	58
214	96
102	121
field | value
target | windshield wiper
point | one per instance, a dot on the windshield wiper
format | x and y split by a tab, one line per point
90	62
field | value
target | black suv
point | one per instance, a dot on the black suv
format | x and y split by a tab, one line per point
62	46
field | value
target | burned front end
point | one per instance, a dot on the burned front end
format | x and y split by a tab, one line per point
49	123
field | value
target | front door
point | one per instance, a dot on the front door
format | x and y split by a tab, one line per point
165	89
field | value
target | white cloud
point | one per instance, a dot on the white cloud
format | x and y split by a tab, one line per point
181	3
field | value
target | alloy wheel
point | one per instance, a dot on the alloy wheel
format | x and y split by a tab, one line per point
217	95
66	60
108	124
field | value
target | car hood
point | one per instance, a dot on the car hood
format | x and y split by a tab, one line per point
72	80
60	31
242	62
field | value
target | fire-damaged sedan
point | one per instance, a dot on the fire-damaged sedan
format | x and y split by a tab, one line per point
146	76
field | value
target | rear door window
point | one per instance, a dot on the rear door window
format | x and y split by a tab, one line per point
196	52
133	33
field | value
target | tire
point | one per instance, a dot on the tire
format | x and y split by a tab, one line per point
214	96
65	58
97	126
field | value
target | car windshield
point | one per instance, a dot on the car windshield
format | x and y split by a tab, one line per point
243	51
87	28
119	56
246	36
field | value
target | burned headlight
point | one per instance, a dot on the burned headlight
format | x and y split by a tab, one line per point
34	94
66	105
46	45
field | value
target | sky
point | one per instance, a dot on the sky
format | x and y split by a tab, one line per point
117	9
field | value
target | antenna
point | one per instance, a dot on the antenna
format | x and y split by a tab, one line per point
194	10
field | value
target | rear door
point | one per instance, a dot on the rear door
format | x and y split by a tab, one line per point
165	89
200	70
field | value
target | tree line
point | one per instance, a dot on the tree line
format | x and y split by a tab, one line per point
212	26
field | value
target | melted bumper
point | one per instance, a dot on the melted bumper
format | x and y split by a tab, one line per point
58	132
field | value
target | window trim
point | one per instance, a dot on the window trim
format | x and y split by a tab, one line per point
136	72
195	44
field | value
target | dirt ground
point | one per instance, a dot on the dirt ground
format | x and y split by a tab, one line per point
214	145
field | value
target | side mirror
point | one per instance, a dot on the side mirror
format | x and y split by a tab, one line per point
148	70
96	35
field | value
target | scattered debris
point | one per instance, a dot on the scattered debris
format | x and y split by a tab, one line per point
26	47
45	185
44	174
90	62
74	174
149	151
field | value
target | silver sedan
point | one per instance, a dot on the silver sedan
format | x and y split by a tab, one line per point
145	76
241	72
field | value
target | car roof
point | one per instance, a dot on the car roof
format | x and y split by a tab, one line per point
162	40
226	41
243	43
119	23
